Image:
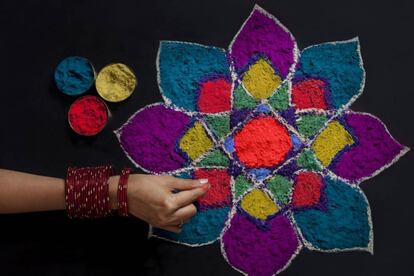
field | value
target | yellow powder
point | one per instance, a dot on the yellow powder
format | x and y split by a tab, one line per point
261	80
331	141
115	82
258	204
195	141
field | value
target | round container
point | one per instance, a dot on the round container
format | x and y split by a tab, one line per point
115	82
88	115
74	75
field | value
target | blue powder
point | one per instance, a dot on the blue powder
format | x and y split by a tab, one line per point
74	75
183	66
259	174
337	64
229	144
263	108
296	141
343	225
204	227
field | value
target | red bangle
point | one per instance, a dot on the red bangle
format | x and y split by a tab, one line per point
87	192
122	192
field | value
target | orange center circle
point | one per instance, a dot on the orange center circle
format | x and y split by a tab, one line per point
262	142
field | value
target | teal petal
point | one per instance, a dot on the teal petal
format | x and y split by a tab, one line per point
339	65
203	228
183	67
342	223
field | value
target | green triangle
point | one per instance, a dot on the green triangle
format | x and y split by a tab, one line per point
307	160
281	188
218	124
241	185
280	99
214	158
310	124
241	99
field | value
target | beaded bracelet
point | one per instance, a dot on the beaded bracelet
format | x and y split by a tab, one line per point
87	192
122	192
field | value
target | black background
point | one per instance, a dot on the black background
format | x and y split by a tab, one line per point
35	137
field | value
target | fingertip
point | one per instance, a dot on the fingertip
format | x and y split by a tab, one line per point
206	186
204	189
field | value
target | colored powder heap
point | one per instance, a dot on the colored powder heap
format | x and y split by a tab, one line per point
74	75
258	204
307	189
218	124
262	142
215	96
309	94
310	124
258	252
203	228
195	142
115	82
260	35
243	100
184	70
331	141
375	147
88	115
339	65
344	223
219	194
260	80
151	135
241	185
281	188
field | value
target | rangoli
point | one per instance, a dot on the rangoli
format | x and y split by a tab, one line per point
271	129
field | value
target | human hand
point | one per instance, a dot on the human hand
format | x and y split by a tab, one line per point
151	198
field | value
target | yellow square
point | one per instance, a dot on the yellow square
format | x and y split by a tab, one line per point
195	141
261	80
331	141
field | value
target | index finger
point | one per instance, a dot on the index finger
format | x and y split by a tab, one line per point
186	197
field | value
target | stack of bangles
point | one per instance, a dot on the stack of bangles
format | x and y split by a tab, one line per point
87	192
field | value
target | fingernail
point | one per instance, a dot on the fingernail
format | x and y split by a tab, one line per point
203	181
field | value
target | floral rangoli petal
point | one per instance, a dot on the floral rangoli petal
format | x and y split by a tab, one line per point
194	77
264	53
341	222
374	150
259	251
328	76
203	228
149	138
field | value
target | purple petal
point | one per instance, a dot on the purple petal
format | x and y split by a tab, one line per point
374	150
150	135
258	251
263	35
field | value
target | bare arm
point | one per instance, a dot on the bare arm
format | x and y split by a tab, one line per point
23	192
150	198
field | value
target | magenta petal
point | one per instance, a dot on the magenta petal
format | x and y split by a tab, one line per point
263	35
374	150
257	251
150	135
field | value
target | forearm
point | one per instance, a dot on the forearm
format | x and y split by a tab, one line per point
23	192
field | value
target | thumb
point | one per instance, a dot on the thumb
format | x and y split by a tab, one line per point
186	184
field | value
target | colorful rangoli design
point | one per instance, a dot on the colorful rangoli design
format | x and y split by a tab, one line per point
271	129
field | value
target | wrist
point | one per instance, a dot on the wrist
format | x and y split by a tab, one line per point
113	192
